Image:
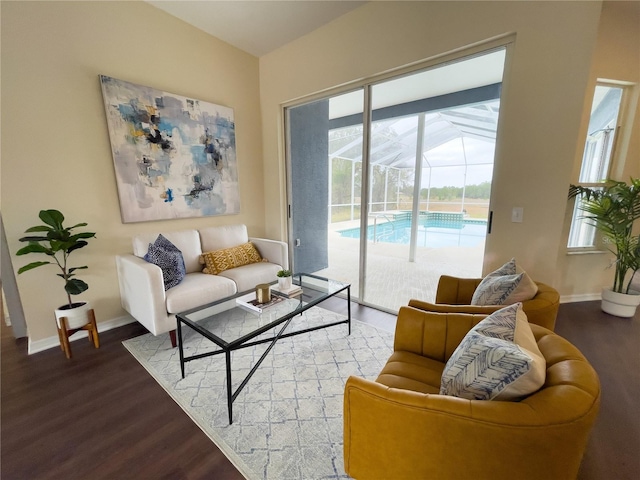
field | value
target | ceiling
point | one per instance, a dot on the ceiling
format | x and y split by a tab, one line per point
257	26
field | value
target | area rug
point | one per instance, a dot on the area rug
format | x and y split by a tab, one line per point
288	420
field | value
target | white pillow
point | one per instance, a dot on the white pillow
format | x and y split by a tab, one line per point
498	359
507	285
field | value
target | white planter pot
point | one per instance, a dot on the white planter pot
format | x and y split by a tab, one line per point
284	283
620	304
76	317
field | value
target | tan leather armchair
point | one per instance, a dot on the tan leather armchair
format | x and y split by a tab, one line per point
399	427
454	295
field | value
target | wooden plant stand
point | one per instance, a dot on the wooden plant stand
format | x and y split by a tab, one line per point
64	333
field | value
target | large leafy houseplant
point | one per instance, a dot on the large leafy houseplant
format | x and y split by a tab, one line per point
57	242
613	209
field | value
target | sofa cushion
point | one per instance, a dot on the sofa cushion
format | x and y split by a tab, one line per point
225	236
228	258
187	241
198	289
497	360
248	276
506	285
168	257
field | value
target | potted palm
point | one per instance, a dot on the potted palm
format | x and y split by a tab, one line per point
613	209
57	242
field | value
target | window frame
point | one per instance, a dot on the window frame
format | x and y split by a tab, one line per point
616	161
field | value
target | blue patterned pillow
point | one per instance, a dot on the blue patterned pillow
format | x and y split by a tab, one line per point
498	359
482	367
505	286
500	324
494	290
169	258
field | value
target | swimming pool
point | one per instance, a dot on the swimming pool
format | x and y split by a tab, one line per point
431	233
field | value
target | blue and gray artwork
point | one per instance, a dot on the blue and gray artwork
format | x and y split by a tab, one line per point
174	157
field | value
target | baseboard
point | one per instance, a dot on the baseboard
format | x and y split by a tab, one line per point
51	342
584	297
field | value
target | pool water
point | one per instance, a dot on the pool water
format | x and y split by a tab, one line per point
431	233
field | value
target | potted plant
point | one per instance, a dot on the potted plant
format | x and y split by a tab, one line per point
284	279
613	209
57	242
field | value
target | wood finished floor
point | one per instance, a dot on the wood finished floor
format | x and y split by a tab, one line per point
101	416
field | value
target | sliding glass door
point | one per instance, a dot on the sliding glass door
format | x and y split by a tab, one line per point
390	184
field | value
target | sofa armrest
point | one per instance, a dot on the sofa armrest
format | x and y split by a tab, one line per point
142	292
432	334
455	290
273	250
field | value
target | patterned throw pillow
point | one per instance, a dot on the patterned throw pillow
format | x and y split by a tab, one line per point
169	258
227	258
505	286
498	359
494	290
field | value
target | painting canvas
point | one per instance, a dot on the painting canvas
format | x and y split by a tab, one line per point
174	157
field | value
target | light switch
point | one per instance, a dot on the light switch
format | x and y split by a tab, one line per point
516	214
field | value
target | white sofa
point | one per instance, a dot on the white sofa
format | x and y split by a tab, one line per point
141	285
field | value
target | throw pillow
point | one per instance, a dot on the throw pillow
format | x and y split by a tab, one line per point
169	258
525	290
227	258
497	360
506	285
495	290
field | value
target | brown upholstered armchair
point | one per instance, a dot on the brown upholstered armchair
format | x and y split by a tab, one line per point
454	295
400	427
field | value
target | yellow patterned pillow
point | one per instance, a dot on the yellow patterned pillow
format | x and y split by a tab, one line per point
227	258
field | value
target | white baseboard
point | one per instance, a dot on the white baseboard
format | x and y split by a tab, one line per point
583	297
50	342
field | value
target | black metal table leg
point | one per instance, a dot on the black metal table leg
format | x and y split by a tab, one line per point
229	392
180	347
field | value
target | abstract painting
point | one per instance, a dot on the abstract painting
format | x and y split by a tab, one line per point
174	157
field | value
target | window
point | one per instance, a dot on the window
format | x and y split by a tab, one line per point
598	152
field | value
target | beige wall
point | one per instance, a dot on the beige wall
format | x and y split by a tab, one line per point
617	57
55	144
545	87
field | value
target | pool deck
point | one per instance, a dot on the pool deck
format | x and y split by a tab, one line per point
391	279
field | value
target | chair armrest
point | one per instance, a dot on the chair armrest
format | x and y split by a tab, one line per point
445	308
401	434
432	334
142	292
273	250
383	425
456	291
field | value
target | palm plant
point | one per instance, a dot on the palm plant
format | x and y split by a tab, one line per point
57	242
612	209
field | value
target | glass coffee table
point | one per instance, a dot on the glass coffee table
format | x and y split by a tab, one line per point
233	326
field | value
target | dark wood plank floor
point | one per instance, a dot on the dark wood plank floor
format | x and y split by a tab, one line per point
101	416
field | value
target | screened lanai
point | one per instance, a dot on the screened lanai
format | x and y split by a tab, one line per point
428	150
455	150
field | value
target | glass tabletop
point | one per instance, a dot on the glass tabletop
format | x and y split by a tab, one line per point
232	321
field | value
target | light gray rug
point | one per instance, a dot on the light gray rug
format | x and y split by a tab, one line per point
288	419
